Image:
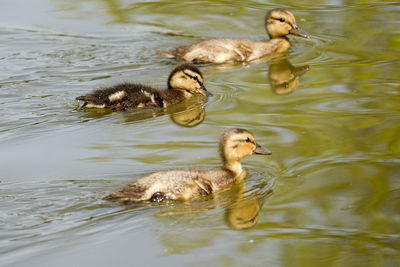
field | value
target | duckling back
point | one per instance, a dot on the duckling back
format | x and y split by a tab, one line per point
128	96
228	50
174	184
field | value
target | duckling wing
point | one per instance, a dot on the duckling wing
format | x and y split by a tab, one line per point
139	96
214	51
104	97
178	184
205	186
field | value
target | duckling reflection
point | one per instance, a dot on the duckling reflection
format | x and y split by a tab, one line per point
243	212
189	117
284	77
185	114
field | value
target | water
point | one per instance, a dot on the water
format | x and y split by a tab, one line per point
329	112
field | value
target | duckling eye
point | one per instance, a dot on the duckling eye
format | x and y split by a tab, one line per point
247	140
281	19
194	77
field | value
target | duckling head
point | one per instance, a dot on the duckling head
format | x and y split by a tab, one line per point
284	77
280	22
243	214
236	144
187	77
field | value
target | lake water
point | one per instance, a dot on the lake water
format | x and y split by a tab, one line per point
329	111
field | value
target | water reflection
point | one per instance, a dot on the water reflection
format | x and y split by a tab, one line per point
188	114
190	117
283	76
243	212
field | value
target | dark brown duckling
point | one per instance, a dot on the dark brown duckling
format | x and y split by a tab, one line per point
278	23
185	185
184	81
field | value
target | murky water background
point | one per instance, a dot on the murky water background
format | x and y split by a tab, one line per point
329	195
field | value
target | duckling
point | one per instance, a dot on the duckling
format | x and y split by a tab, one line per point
184	185
278	23
184	81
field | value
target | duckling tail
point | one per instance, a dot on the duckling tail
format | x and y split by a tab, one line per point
167	54
81	98
111	197
88	99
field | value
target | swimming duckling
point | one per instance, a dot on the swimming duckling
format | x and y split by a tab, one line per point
278	24
183	82
184	185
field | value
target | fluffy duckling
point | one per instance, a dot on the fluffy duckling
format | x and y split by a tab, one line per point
278	24
184	185
183	82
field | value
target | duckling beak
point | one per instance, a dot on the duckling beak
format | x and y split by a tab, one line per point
301	70
204	92
260	150
296	30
